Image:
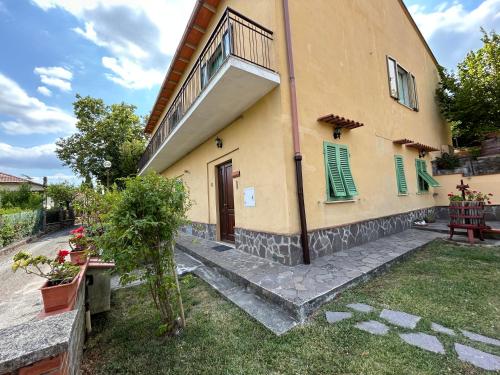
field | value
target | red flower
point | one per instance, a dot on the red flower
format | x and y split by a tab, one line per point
79	235
61	255
77	230
490	194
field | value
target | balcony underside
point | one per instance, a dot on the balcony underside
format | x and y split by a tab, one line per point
236	87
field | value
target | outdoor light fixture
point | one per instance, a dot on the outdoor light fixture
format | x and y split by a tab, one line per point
107	164
422	153
218	142
336	133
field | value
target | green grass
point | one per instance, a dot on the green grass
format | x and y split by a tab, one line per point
452	285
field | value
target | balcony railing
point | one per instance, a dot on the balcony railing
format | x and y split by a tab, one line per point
234	35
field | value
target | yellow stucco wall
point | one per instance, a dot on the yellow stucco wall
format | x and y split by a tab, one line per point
486	184
342	70
340	60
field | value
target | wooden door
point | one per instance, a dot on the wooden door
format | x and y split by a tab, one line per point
226	201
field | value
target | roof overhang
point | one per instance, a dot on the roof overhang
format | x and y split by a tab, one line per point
197	25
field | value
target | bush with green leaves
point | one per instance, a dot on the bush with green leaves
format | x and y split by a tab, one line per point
61	194
17	226
140	232
23	199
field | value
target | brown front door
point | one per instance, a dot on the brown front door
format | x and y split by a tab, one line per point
226	201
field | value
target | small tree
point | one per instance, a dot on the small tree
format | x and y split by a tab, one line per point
140	232
61	194
470	99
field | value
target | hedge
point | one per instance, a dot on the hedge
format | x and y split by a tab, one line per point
15	227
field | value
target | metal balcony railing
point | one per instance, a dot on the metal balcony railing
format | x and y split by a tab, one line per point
234	35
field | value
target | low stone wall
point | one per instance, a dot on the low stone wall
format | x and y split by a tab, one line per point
470	166
286	249
53	345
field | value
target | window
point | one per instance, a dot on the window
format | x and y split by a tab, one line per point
214	62
339	181
424	179
402	84
400	175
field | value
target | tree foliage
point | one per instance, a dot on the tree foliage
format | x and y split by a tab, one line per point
61	194
140	233
22	198
470	99
104	132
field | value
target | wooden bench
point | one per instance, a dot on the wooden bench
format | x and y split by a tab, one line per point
470	216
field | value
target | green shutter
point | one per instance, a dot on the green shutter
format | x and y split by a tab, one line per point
400	175
334	174
422	173
345	168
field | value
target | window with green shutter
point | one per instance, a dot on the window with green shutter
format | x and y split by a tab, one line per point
339	180
424	179
400	175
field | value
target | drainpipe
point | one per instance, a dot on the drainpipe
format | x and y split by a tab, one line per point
296	141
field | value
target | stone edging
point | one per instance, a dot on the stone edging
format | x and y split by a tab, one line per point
21	242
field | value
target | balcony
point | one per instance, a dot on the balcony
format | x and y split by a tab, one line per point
233	72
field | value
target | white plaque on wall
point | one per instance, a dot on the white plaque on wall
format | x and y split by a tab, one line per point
249	196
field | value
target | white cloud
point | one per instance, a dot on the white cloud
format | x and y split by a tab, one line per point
37	157
140	37
54	72
129	74
55	76
29	115
45	91
452	30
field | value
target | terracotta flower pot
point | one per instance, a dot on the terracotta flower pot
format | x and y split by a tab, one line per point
78	257
59	297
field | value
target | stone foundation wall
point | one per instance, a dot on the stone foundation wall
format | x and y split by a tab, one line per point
203	230
286	249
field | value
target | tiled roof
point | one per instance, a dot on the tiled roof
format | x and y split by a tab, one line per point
9	179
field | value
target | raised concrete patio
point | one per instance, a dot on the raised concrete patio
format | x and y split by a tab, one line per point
298	291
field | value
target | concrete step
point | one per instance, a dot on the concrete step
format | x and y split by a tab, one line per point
267	313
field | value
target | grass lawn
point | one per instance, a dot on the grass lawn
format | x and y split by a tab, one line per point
452	285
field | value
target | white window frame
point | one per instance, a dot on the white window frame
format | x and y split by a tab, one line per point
393	72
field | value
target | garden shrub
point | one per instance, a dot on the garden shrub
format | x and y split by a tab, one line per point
14	227
23	198
140	232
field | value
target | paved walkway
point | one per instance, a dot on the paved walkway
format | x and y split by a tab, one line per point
301	289
20	299
399	322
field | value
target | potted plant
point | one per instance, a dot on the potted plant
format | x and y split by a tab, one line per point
79	243
62	282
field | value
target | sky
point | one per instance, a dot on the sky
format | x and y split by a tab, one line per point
119	50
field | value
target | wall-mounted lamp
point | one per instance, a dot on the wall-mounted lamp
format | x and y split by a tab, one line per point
422	153
218	142
337	133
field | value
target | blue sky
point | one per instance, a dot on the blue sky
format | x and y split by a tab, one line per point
119	50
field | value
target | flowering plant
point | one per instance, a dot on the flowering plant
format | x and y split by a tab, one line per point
79	241
57	270
471	196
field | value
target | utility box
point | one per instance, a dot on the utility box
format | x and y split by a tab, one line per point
99	287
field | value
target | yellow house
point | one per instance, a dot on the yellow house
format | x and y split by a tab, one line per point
300	127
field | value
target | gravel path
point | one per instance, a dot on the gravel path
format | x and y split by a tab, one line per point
20	299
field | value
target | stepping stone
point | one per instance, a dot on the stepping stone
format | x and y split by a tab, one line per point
486	361
480	338
423	341
400	318
361	307
337	316
442	329
373	327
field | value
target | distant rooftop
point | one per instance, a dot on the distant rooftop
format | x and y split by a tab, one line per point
9	179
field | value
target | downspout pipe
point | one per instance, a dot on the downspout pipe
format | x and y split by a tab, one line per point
295	135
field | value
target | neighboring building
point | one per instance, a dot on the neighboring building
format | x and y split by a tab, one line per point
11	183
225	123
